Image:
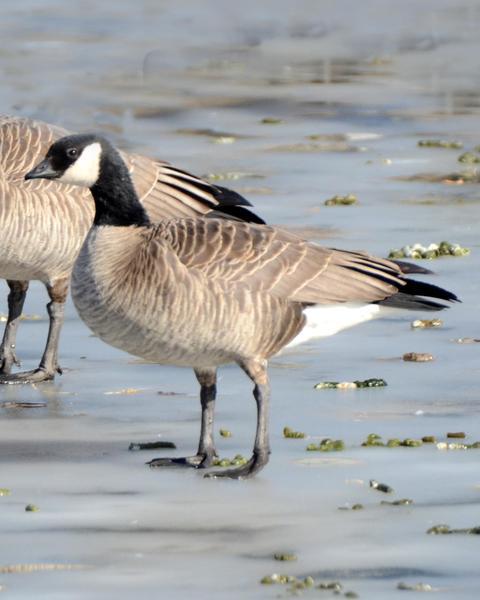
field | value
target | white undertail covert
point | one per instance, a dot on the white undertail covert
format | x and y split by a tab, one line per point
326	320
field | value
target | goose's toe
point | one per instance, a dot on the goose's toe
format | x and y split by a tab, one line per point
199	461
8	359
249	469
34	376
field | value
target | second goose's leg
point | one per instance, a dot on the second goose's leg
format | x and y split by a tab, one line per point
257	371
206	452
16	299
49	363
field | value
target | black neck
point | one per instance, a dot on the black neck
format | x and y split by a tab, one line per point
116	202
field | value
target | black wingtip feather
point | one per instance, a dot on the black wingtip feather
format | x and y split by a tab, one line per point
238	213
228	197
229	204
410	268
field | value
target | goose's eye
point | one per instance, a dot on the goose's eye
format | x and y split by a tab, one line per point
72	152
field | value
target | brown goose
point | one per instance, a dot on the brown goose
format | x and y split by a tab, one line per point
205	292
44	224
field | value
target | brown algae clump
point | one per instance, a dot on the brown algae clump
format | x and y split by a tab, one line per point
456	434
417	357
334	586
327	445
271	121
277	578
446	530
31	508
291	434
347	200
285	556
439	144
426	323
401	502
34	567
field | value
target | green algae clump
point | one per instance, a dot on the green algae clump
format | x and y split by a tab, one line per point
291	434
327	445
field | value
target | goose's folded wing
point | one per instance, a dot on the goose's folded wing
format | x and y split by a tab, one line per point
278	262
170	192
24	142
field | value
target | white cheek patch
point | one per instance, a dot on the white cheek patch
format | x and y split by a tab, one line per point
86	169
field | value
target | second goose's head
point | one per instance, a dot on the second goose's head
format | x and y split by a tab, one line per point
75	159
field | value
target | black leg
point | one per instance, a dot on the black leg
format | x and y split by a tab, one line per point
56	311
208	393
16	299
49	363
257	371
206	448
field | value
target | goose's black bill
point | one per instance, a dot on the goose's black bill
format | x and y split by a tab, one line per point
43	170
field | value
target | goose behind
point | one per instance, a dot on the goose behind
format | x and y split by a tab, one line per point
205	292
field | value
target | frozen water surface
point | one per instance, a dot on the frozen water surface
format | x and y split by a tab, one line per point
374	77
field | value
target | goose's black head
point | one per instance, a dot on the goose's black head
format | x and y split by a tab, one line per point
89	160
74	159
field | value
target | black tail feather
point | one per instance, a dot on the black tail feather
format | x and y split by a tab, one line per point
411	296
407	302
411	268
420	288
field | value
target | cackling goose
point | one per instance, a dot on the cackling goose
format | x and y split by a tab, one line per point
203	292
